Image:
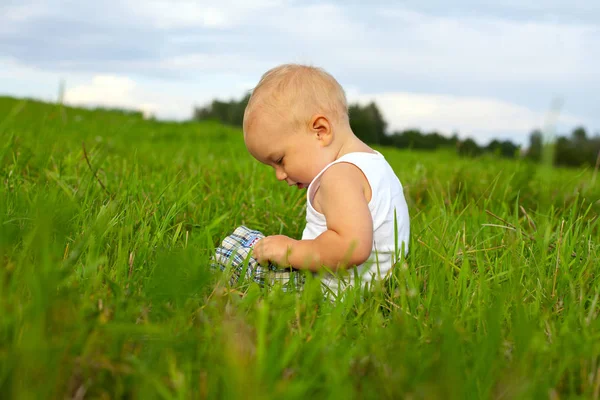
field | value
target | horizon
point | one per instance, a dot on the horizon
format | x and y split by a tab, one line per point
388	132
479	69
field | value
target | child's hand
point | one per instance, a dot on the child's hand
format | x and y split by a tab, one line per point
275	249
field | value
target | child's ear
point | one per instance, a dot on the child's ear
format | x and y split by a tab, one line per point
321	128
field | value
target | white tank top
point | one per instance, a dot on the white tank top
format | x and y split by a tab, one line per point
387	197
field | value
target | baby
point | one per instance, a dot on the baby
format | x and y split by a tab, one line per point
297	122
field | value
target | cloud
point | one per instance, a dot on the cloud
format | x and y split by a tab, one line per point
164	100
547	10
202	63
105	90
166	14
124	92
484	66
477	49
23	12
396	43
110	91
476	117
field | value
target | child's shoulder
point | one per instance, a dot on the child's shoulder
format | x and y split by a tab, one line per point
340	180
342	171
357	164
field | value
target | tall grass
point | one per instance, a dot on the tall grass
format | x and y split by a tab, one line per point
105	289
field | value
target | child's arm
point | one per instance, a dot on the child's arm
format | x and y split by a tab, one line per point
348	239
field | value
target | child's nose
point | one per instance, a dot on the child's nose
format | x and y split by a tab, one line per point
280	174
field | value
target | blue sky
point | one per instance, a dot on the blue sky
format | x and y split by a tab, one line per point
484	69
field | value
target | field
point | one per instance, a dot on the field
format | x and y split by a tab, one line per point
108	221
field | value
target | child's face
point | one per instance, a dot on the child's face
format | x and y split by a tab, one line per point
297	157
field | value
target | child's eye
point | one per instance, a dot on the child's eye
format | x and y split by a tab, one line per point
280	161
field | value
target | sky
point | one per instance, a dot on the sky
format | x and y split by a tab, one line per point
480	68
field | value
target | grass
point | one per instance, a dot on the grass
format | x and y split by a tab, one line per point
105	290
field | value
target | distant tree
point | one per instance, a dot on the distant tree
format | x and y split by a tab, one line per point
566	153
415	139
579	135
229	113
367	123
469	148
577	150
494	147
534	152
506	148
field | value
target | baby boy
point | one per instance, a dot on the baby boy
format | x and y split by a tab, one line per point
297	122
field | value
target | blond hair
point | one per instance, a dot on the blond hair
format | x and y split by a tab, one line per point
297	92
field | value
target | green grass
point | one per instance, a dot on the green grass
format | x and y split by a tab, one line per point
106	292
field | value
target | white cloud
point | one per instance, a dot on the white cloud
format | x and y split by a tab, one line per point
477	48
107	90
397	44
21	80
23	12
179	14
124	92
320	24
479	118
164	100
216	63
13	15
479	70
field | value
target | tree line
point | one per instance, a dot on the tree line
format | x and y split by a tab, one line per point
368	124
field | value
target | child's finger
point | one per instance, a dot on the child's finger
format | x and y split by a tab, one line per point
258	253
262	259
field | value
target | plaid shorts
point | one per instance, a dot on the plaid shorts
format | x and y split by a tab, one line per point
236	252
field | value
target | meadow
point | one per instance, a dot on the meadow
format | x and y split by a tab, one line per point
108	222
